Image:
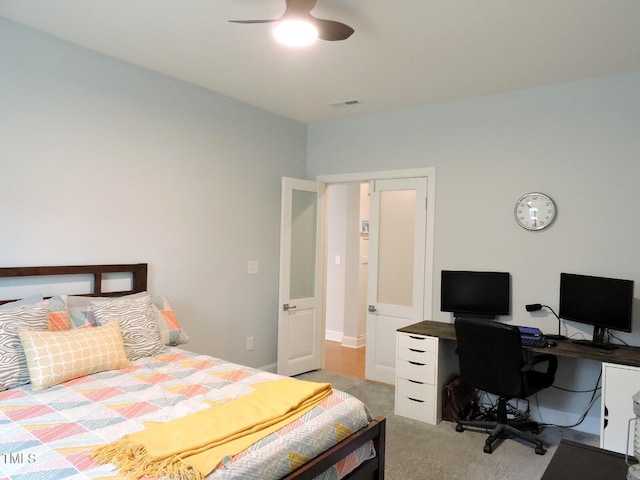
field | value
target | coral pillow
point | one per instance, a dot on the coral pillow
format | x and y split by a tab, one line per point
171	331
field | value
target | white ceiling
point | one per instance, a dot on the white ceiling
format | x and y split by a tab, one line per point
403	52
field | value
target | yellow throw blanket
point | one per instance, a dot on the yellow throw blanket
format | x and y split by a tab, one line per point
191	447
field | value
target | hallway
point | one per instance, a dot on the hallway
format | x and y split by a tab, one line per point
344	360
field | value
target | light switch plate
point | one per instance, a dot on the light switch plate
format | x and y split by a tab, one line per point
254	267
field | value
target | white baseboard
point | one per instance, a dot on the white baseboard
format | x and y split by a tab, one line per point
346	341
273	368
333	336
354	342
591	424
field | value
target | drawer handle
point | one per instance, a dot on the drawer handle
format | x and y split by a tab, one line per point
417	338
416	363
416	381
416	350
416	400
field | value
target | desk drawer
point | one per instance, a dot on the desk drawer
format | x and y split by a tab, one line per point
415	389
416	371
417	342
422	410
417	356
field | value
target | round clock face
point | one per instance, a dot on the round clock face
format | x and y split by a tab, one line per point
535	211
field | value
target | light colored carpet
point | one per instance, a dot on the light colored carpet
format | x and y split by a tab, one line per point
418	451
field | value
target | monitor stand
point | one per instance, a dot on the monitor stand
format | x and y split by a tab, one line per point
598	340
591	343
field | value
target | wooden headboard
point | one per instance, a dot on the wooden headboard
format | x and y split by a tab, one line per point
138	270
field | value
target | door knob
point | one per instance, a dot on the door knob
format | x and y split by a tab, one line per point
286	306
372	308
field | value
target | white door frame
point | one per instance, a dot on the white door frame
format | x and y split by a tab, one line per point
430	174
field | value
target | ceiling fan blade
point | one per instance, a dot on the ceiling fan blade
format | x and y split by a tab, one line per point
300	10
253	21
298	7
332	30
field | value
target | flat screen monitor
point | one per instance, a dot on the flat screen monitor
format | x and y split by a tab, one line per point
475	294
599	301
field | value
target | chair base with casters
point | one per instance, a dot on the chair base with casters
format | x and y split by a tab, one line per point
502	428
491	359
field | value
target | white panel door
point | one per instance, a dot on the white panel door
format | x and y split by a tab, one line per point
300	298
396	277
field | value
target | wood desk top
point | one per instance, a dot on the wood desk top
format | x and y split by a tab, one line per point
564	348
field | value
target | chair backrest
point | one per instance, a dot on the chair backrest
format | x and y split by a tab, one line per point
490	356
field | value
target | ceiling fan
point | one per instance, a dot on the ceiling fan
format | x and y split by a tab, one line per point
300	11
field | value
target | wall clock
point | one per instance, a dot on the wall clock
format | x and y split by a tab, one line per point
535	211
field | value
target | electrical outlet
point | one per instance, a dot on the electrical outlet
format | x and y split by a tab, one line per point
250	343
254	267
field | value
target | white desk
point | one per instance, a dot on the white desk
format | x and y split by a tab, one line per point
426	363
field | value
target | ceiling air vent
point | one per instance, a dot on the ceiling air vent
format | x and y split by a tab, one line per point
345	103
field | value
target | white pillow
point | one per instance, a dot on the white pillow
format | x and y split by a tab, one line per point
30	300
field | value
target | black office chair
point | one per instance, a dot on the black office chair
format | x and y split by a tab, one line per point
491	358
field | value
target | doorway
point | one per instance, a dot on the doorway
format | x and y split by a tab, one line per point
301	319
344	360
367	301
347	235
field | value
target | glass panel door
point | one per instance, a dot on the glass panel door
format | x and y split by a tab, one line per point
300	313
396	247
303	244
396	272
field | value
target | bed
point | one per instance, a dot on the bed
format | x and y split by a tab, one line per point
50	428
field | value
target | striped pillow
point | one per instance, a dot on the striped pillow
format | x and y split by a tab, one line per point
13	365
79	309
137	320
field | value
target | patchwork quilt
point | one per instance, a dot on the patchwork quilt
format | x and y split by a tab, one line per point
48	434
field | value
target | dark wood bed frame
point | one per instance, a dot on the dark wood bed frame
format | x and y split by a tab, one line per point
138	271
376	430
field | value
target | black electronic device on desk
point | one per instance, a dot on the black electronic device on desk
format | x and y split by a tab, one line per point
534	307
605	303
476	294
532	337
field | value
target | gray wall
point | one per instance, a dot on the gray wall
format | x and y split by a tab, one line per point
104	162
578	142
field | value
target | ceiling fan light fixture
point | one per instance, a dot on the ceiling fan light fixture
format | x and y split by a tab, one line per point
295	33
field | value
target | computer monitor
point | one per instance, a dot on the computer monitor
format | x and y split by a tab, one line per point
475	294
602	302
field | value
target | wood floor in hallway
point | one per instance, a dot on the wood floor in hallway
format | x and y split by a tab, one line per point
344	360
